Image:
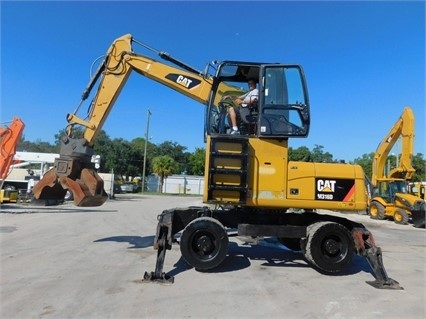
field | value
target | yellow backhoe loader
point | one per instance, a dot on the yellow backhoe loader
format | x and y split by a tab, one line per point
391	198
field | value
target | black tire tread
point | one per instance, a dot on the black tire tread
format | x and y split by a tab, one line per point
380	210
315	236
185	243
404	215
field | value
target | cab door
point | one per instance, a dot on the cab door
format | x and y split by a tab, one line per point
284	103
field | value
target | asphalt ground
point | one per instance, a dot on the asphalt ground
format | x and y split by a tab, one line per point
70	262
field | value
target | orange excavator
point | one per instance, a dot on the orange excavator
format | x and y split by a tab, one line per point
9	139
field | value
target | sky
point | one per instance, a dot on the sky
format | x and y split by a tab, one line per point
364	62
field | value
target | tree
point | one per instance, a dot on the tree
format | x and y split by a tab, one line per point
164	166
151	151
123	159
38	146
175	151
419	165
318	155
302	154
103	147
196	162
366	162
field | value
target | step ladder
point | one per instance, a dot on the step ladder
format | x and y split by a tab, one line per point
228	169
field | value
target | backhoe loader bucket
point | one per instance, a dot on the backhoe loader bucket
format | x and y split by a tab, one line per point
87	189
418	215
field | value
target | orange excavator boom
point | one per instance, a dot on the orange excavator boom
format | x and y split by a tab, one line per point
9	139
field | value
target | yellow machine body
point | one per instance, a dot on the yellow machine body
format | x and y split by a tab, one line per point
256	172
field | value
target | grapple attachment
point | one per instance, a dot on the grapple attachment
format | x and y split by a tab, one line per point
87	189
73	171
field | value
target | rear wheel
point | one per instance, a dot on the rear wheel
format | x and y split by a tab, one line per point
376	210
329	246
204	243
400	216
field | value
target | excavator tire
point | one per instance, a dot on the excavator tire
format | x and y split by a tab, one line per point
204	243
329	246
376	211
400	216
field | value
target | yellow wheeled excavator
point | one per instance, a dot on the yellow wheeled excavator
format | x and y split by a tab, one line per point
391	198
250	184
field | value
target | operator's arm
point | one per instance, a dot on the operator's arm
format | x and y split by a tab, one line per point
247	98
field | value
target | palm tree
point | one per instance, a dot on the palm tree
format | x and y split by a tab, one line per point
163	166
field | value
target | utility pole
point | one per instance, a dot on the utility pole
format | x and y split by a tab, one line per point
144	153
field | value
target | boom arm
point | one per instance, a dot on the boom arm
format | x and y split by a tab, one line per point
403	128
9	138
116	68
73	169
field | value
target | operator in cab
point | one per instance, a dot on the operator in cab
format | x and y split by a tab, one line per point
250	97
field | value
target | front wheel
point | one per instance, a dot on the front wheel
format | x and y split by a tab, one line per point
400	216
329	246
204	243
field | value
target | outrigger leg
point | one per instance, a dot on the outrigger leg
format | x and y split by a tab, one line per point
162	243
366	247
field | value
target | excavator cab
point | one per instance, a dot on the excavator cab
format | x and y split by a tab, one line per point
280	110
